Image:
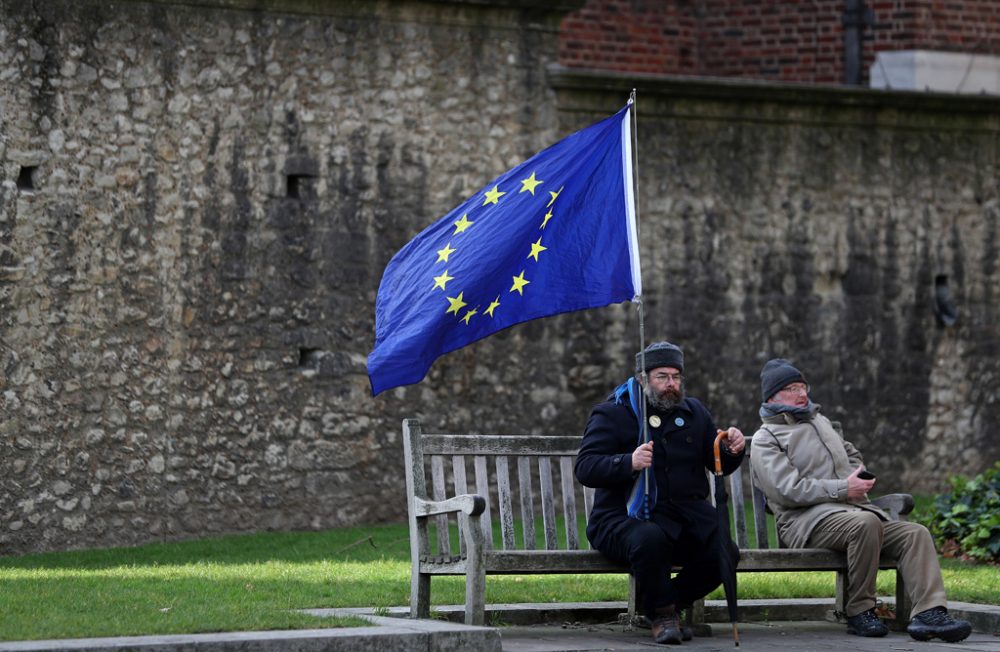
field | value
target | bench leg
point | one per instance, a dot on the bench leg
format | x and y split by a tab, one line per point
420	595
475	574
696	619
903	604
840	597
633	598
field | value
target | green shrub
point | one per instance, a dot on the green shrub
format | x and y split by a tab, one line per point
966	522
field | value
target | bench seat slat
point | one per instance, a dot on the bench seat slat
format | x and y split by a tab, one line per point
797	559
551	561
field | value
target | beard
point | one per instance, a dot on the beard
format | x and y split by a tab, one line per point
665	401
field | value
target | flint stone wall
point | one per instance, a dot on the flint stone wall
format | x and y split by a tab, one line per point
197	204
186	295
830	226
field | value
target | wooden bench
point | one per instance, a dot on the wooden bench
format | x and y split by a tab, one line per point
544	483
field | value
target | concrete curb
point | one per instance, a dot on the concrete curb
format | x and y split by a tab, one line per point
984	618
387	635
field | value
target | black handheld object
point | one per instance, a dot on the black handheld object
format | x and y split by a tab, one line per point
866	475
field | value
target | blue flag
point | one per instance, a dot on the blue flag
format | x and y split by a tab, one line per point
552	235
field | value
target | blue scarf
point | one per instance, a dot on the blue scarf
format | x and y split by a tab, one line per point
641	499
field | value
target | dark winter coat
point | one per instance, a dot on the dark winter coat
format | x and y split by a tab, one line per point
682	451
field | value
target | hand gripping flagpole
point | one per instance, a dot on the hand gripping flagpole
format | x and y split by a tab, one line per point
647	508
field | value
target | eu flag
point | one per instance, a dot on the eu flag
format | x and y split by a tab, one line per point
552	235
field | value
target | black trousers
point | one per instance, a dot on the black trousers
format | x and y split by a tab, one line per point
650	553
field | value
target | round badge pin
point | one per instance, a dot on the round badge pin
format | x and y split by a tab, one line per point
678	422
654	421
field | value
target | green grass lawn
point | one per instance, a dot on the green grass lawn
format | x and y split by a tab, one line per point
255	582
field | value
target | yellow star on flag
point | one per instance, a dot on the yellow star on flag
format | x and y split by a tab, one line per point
530	183
519	282
462	224
548	216
468	315
456	304
444	253
492	196
493	306
536	248
554	195
440	281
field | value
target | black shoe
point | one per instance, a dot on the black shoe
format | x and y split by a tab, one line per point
936	622
667	629
866	623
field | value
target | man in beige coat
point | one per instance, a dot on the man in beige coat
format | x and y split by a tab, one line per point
816	485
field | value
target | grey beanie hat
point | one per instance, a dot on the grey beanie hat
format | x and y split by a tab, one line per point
661	354
775	375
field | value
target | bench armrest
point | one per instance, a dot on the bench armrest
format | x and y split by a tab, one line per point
896	505
471	504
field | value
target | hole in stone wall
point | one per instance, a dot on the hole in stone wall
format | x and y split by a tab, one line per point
295	185
944	306
309	359
26	179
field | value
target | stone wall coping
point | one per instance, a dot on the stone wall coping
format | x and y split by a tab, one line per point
597	83
326	7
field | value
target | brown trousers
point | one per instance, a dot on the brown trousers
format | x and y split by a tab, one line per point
863	536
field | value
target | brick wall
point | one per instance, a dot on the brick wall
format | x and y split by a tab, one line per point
625	35
966	26
786	41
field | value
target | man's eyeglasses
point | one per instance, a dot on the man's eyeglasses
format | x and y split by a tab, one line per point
667	378
796	388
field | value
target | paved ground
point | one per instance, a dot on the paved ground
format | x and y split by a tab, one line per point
772	637
571	628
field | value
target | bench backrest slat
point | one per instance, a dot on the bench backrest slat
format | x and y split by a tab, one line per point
548	502
461	487
588	502
437	486
527	501
569	503
739	516
759	516
504	503
483	489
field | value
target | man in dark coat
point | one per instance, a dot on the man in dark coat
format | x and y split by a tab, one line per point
681	526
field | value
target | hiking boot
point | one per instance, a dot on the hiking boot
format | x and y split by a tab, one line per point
686	630
685	622
866	623
667	629
936	622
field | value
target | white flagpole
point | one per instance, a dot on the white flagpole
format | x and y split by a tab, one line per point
637	278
